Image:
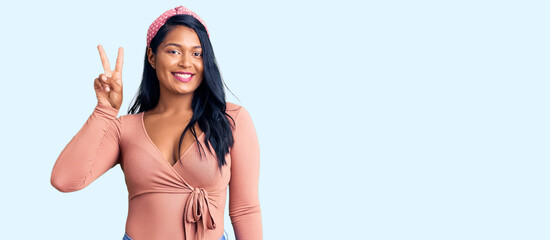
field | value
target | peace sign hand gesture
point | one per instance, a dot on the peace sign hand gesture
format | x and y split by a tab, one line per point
108	86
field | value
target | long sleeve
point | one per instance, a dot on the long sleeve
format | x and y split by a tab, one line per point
244	203
90	153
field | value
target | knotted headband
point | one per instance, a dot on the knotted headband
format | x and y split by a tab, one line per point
161	20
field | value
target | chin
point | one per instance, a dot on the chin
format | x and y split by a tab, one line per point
185	91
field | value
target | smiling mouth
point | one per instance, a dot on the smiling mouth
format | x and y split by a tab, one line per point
183	77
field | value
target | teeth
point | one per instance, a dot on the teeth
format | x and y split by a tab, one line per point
183	75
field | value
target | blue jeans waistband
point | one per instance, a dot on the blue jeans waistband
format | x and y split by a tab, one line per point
224	236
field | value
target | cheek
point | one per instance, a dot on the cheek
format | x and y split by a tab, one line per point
166	62
200	68
201	76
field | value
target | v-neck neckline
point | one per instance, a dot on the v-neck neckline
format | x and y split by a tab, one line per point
158	150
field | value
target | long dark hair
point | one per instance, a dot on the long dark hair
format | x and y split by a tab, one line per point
208	104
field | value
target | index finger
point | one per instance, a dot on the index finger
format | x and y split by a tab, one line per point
104	60
119	60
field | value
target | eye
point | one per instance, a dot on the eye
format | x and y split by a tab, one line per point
174	51
197	54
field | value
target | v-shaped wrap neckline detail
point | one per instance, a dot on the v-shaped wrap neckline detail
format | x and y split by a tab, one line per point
158	150
197	206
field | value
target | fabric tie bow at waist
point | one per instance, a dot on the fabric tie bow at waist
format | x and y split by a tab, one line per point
198	211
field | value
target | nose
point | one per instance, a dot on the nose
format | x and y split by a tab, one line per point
185	60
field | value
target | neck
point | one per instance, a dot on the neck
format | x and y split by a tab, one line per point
174	104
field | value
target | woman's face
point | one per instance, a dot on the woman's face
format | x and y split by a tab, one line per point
178	61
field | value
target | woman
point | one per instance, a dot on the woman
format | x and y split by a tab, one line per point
177	190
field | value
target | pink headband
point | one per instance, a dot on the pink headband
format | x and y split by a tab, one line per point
155	26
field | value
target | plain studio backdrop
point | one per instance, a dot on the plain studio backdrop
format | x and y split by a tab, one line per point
376	119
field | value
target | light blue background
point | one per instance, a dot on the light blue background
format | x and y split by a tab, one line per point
376	119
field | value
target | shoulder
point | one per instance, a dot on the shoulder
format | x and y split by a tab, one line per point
130	116
239	113
130	120
233	109
232	106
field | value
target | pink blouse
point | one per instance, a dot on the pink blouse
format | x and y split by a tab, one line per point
184	201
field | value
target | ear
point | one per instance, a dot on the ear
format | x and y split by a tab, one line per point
151	57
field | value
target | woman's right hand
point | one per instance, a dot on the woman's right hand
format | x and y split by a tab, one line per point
108	86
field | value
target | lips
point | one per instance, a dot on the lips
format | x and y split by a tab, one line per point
183	76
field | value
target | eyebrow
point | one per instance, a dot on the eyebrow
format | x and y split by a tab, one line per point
177	45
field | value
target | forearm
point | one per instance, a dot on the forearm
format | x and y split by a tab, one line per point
247	223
